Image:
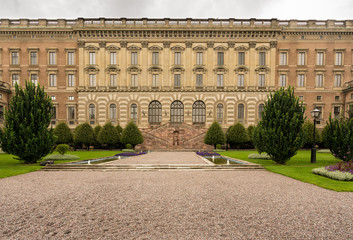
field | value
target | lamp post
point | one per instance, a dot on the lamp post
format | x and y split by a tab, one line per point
315	114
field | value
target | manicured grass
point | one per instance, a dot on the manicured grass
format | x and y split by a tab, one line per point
12	167
299	167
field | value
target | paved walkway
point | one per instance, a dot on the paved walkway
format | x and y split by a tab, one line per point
162	158
170	205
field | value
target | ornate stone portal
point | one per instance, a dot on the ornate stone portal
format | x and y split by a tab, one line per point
174	137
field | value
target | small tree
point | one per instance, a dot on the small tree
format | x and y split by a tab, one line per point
309	139
131	134
26	130
237	135
324	137
119	130
257	139
108	135
84	135
62	148
250	131
282	125
96	131
215	135
63	134
339	138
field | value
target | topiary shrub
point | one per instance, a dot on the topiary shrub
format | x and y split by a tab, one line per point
323	137
308	128
249	144
63	134
62	148
84	135
119	130
281	126
257	139
214	135
339	138
132	135
237	135
218	146
128	146
96	131
108	135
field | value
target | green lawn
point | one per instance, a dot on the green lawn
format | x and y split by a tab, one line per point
299	167
11	167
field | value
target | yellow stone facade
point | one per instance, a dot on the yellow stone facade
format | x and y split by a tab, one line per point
88	66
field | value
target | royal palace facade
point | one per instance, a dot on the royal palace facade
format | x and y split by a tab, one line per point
174	77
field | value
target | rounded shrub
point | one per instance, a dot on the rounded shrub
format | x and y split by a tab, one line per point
128	146
218	146
214	135
108	135
84	135
63	134
237	135
62	148
132	135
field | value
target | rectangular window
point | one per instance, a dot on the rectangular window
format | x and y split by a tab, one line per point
92	80
92	58
319	80
134	58
320	58
71	113
283	58
53	98
282	80
71	98
199	58
154	80
336	111
15	79
70	58
301	78
134	80
34	59
318	98
177	58
155	58
199	80
241	80
338	80
112	58
71	80
219	80
301	58
52	58
262	58
220	58
241	58
337	98
338	58
261	80
113	80
52	80
1	112
14	58
301	98
34	79
177	82
53	113
320	109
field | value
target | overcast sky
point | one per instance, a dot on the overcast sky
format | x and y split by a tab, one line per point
281	9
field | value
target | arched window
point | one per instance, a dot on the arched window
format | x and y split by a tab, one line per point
241	111
112	111
261	109
134	112
199	112
92	111
220	113
155	112
177	112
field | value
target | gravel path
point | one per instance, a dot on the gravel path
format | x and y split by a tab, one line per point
161	158
170	205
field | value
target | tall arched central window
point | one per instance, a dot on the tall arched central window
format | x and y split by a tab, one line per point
155	112
199	112
220	113
177	112
92	111
134	112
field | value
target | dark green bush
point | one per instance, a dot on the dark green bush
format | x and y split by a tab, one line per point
63	134
257	139
214	135
309	132
62	148
237	135
96	131
108	136
84	135
128	146
131	135
119	130
218	146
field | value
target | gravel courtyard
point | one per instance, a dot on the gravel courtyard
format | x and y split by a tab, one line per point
170	205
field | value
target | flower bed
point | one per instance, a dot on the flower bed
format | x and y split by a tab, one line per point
130	154
208	154
342	171
342	167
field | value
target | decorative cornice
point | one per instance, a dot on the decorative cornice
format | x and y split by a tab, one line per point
102	44
177	68
252	44
155	48
123	44
166	44
231	44
112	47
210	44
144	44
221	69
155	69
273	44
242	48
112	68
262	69
177	48
188	44
220	48
243	69
262	48
199	69
133	48
200	48
91	47
91	68
134	69
81	44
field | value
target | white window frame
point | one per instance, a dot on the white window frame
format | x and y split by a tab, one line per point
241	80
199	58
320	58
220	80
283	58
71	80
52	80
112	58
134	58
262	80
177	58
70	58
113	80
262	58
92	80
134	80
34	78
52	58
155	80
338	80
92	58
338	58
283	80
301	80
155	58
301	58
319	80
15	79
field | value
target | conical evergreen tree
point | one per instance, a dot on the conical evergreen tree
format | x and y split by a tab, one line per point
26	129
63	134
237	135
108	135
84	135
215	135
131	135
96	131
119	130
309	132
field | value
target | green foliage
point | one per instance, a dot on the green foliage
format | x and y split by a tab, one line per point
26	129
237	135
257	139
259	156
309	131
281	128
339	138
250	131
324	137
218	146
96	131
214	135
128	148
63	134
131	134
62	148
119	130
337	175
61	157
108	135
84	135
